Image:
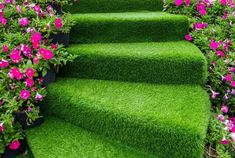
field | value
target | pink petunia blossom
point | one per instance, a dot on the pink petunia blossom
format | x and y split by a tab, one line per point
199	26
29	72
178	2
58	23
224	141
1	127
214	94
220	53
188	37
46	53
223	2
36	37
220	117
15	73
5	48
2	6
4	64
29	82
228	77
215	45
14	145
26	50
232	69
24	22
37	9
15	56
25	94
187	2
233	84
38	97
224	109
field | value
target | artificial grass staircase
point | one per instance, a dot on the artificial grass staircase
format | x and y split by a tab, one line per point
134	91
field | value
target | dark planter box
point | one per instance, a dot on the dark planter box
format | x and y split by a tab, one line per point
14	153
21	117
49	77
61	38
57	8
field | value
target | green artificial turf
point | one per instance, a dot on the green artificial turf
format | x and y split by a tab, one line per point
165	120
128	27
58	139
164	62
91	6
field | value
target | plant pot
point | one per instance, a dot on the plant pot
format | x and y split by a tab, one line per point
61	38
22	117
14	153
49	77
57	7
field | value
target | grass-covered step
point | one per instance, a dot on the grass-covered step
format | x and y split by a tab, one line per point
59	139
91	6
165	120
163	62
128	27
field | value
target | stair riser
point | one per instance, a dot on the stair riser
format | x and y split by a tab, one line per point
102	6
154	139
119	30
137	70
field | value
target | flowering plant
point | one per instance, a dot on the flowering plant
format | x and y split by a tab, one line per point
26	54
212	28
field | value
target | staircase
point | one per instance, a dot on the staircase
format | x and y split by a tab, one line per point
135	90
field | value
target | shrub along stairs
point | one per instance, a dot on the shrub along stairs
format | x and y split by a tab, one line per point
135	90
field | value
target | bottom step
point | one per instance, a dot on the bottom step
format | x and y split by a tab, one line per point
58	139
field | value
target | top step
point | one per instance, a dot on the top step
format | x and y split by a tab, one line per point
104	6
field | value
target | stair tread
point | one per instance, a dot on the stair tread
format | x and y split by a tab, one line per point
158	62
163	118
128	27
114	5
62	139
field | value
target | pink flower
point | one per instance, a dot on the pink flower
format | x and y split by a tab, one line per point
228	77
24	94
233	84
38	97
36	37
187	2
30	72
18	9
7	1
220	53
14	145
4	64
202	12
15	56
224	109
5	48
224	141
2	6
46	53
201	6
58	23
220	117
214	94
37	9
214	45
15	73
232	69
3	21
188	37
178	2
29	82
24	22
199	26
36	60
1	127
26	50
223	2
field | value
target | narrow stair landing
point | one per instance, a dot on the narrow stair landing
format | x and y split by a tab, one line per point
135	90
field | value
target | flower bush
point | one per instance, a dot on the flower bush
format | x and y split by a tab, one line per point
26	54
212	29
